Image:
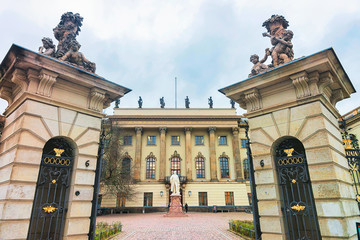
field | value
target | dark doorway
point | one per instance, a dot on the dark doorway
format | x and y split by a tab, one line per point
52	191
298	205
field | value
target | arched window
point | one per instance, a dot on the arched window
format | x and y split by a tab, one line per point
246	168
175	164
150	166
126	164
224	166
200	165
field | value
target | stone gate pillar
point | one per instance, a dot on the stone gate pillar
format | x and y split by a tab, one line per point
48	98
297	100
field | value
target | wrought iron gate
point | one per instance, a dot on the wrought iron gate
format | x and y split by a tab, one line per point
298	205
52	189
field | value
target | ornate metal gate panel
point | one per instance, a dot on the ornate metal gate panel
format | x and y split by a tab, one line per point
353	158
298	205
52	189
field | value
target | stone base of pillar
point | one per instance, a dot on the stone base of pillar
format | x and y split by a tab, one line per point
175	209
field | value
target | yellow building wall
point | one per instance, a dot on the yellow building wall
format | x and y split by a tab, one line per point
170	149
228	149
146	150
216	193
205	151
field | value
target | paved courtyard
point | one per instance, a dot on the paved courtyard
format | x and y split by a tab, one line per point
155	226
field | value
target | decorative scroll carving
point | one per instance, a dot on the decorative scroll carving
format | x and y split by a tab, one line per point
19	78
300	82
326	80
97	98
313	82
138	130
162	130
212	129
6	93
336	96
47	80
151	155
223	155
68	48
253	99
175	155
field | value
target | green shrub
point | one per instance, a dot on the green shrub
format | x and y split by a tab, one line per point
104	230
242	227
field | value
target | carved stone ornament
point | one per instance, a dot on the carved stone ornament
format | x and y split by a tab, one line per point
68	48
97	98
162	130
175	155
223	155
138	130
151	155
199	155
47	80
300	82
253	100
126	155
212	129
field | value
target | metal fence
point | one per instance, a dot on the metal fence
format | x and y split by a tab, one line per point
242	230
108	232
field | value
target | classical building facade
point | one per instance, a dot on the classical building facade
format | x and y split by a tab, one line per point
206	147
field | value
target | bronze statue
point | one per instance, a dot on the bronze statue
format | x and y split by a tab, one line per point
68	48
210	102
117	103
187	102
162	102
259	66
282	50
48	47
232	102
140	102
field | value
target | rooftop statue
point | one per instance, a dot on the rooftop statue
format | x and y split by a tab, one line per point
68	48
210	102
187	102
140	102
282	50
162	102
259	66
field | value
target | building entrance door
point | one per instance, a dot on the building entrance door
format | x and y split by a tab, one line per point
52	190
298	205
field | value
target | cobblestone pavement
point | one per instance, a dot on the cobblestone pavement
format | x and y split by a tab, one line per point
155	226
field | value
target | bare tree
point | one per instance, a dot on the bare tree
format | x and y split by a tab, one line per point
116	170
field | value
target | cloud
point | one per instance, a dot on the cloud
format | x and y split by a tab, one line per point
145	44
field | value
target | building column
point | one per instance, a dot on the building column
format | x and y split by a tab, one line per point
162	164
213	166
188	162
137	166
236	152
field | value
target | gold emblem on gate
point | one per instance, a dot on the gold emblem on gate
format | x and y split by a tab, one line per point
53	181
293	181
298	207
49	209
289	152
358	198
58	152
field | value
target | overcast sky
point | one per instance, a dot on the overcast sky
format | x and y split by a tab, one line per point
206	44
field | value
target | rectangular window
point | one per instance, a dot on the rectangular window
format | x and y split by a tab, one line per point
120	200
128	140
229	198
243	143
199	140
175	140
151	140
222	140
148	198
203	199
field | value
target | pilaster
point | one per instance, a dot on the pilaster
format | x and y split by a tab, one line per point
213	165
236	152
162	164
188	160
137	167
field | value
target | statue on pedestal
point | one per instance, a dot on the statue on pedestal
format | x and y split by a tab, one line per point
187	102
140	102
210	102
162	102
175	184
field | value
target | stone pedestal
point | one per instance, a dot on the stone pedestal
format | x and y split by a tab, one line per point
297	101
175	209
48	99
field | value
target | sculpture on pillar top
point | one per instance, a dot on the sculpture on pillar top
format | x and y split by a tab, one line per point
210	102
162	102
282	51
140	102
175	184
117	103
68	48
187	102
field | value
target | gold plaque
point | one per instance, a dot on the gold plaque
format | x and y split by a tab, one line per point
58	152
293	181
49	209
298	207
53	181
289	152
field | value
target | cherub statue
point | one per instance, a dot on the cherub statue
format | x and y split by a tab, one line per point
76	57
162	102
187	102
210	102
48	47
140	102
259	66
175	184
282	52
